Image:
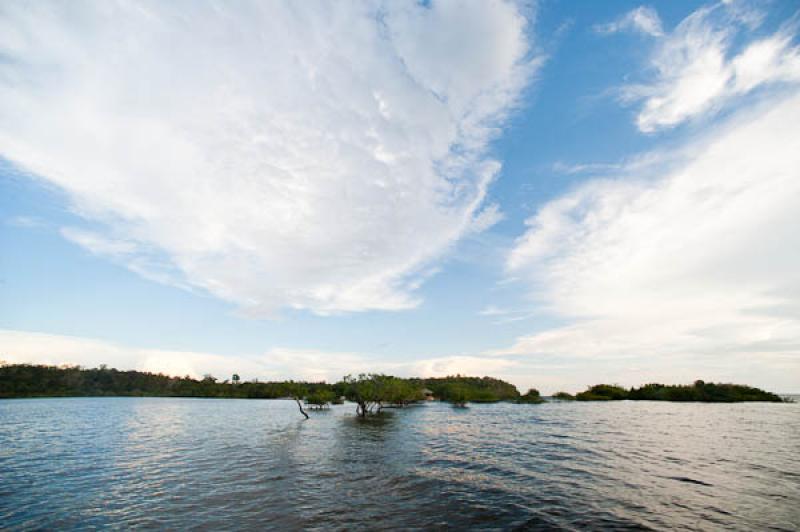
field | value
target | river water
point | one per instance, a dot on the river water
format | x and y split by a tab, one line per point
208	463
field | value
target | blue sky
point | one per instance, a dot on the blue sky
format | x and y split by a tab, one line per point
556	193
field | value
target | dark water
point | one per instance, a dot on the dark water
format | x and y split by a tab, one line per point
179	463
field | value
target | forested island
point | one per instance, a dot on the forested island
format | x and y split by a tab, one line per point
700	391
370	392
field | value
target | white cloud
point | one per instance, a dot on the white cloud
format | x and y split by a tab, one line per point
464	365
693	270
314	156
278	363
697	67
99	244
643	19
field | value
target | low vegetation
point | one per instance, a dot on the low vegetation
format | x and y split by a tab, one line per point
531	397
603	392
563	396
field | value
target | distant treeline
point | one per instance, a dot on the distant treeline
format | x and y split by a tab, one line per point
25	380
704	392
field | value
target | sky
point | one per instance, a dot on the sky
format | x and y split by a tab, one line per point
553	193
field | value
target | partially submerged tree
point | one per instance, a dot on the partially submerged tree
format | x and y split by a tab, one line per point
297	391
366	391
371	391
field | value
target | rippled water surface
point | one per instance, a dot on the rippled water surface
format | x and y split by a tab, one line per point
174	463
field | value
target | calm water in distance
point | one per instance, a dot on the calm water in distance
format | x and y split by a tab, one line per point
208	463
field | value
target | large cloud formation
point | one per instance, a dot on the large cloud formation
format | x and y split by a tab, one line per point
682	263
696	266
289	154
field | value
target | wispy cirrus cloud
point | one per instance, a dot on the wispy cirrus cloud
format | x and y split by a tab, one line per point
286	155
698	67
643	19
561	167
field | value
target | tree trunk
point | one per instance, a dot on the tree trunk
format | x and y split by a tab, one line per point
300	406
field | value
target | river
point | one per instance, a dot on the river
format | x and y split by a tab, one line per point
207	463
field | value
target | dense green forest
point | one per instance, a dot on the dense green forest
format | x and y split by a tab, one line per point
705	392
23	380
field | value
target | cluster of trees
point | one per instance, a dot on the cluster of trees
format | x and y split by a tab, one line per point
603	392
700	391
531	397
371	392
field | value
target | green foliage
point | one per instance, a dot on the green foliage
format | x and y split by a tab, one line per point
476	389
564	396
296	390
603	392
457	393
401	392
365	391
700	391
320	398
371	391
25	380
531	397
